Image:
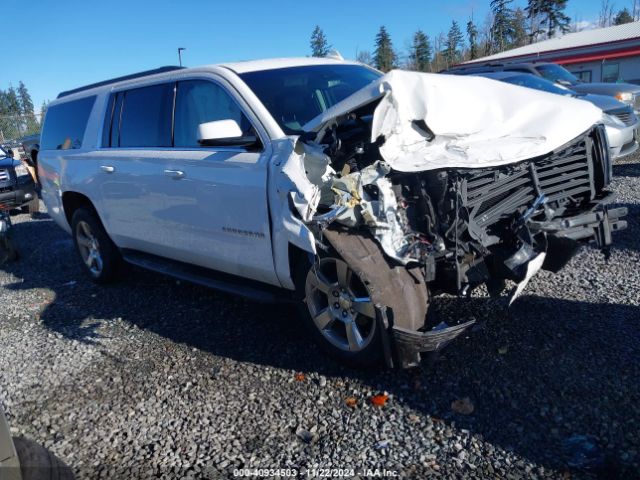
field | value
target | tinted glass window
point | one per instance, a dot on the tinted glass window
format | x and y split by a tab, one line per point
65	124
199	102
556	73
538	83
584	76
296	95
146	117
610	72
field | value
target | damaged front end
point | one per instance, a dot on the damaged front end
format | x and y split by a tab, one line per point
496	200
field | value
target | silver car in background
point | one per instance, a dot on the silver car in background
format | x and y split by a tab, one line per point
619	119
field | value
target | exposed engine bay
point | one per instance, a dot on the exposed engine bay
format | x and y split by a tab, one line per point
466	227
467	209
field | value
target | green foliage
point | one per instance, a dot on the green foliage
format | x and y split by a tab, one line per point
17	116
384	56
453	43
472	35
13	102
319	45
519	28
549	16
623	16
502	27
420	53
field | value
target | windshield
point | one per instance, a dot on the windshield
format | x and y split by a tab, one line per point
296	95
556	73
538	83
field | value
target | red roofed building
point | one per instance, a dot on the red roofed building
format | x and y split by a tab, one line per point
609	54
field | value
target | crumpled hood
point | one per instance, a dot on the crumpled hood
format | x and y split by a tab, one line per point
475	122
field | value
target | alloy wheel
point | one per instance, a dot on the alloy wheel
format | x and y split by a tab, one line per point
340	305
89	248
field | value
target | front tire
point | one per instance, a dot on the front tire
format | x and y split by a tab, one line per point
338	311
100	256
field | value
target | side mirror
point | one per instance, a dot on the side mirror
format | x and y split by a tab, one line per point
224	133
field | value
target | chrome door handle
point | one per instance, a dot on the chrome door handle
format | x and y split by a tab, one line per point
177	174
107	168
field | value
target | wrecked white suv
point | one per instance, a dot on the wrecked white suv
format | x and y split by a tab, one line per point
361	194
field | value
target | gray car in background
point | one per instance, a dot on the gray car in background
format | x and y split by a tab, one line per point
624	92
619	119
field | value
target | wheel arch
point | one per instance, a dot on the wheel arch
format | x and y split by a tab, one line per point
402	289
72	201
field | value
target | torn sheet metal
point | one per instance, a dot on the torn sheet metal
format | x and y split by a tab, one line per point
353	207
291	187
475	121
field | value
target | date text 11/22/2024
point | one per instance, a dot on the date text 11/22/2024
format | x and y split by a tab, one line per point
316	472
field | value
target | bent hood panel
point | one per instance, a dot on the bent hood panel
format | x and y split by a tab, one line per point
477	122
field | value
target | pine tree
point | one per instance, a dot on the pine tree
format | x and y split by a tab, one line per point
26	109
420	53
26	104
519	28
319	45
501	30
623	16
453	43
384	56
4	104
472	35
549	15
13	102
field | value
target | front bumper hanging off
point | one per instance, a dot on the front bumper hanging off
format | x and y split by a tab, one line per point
402	347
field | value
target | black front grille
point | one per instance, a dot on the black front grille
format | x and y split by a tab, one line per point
567	174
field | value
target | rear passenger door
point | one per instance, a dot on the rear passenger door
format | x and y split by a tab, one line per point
201	205
137	131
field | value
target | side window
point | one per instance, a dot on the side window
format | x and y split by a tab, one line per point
610	72
199	101
145	119
584	75
65	124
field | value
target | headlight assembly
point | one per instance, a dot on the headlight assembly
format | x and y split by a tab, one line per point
22	171
626	97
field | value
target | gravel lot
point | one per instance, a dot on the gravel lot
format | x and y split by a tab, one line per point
155	378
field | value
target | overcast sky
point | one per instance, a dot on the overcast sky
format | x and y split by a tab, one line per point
57	45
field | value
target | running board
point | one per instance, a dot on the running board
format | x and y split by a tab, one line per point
222	282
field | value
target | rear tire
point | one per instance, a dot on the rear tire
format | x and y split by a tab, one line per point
99	255
8	252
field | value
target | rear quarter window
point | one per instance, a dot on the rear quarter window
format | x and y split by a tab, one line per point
65	124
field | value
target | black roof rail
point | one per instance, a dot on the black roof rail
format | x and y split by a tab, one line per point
120	79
